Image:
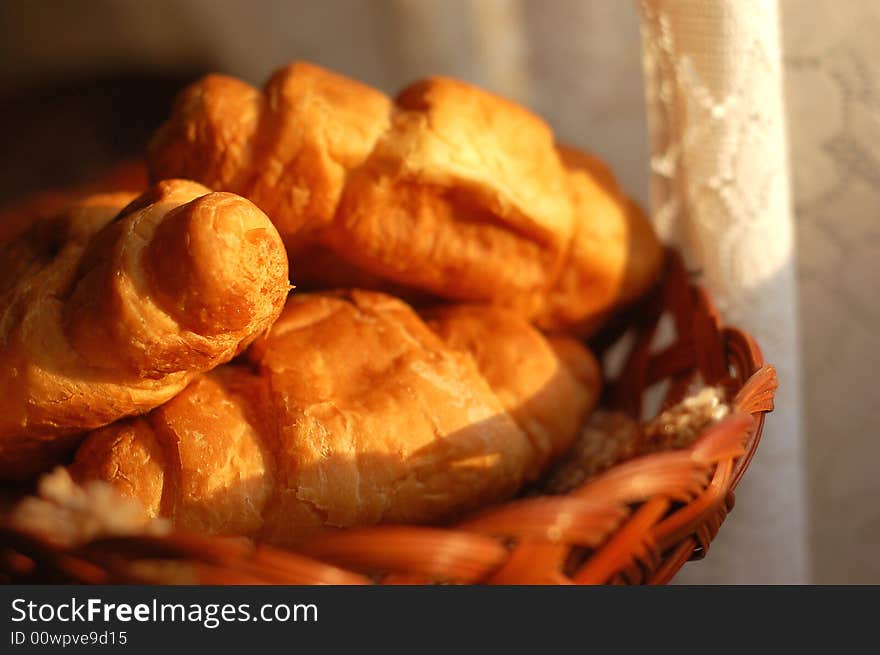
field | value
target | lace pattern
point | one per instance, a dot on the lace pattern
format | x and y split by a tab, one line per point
720	193
833	108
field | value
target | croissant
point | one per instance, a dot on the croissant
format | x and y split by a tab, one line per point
448	190
113	307
351	411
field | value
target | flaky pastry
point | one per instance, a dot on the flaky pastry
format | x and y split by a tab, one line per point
113	306
351	411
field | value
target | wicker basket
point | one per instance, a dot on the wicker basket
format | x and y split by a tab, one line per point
637	523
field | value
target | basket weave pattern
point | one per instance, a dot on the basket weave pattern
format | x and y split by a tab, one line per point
637	523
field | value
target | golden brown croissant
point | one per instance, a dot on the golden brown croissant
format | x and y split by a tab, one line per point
450	190
353	412
109	310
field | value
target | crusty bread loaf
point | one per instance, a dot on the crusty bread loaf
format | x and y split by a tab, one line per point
448	190
351	411
111	308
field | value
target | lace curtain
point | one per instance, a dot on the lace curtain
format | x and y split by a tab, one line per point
720	193
832	82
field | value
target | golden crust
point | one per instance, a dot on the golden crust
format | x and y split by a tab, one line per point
358	413
204	459
128	455
548	386
287	148
614	255
378	420
463	196
94	327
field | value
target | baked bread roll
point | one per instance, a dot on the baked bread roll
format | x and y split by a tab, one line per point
110	309
351	412
449	190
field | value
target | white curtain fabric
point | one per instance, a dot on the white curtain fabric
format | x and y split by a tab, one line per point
832	80
720	193
722	85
